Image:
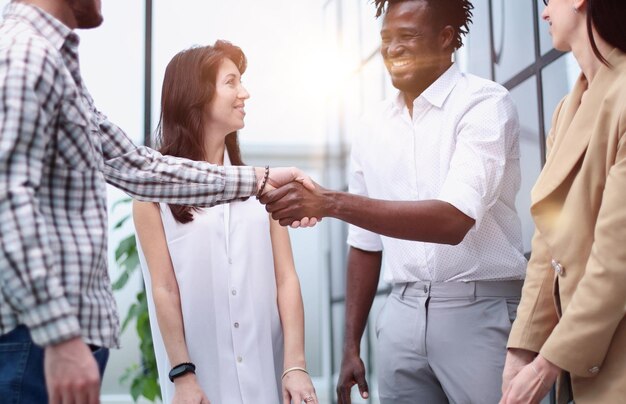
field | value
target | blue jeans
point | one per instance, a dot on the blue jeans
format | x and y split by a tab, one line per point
21	368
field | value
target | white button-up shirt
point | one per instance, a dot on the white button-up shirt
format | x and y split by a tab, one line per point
224	269
461	146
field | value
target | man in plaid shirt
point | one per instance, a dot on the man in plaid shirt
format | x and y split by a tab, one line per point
57	151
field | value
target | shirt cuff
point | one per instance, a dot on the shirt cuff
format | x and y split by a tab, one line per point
239	182
51	322
363	239
464	198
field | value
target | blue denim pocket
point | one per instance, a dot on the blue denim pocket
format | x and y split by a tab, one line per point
13	359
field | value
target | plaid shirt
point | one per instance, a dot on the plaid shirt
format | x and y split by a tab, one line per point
56	153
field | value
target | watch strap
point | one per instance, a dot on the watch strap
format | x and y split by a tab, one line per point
182	369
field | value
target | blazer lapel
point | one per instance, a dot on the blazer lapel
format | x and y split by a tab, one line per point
573	131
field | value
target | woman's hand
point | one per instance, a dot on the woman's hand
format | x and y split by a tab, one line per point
298	388
188	391
532	383
516	359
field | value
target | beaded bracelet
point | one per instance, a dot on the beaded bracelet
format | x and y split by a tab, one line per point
292	369
265	177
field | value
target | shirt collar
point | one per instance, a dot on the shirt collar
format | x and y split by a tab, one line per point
436	94
48	26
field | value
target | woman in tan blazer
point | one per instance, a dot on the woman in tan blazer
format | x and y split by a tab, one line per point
570	323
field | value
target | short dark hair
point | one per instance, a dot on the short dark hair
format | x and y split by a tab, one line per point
607	17
456	13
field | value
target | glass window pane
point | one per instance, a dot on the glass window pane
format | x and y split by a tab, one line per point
338	324
545	39
370	29
513	37
311	267
373	80
558	79
352	98
350	27
475	55
525	98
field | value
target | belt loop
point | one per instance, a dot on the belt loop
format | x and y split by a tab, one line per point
406	285
473	298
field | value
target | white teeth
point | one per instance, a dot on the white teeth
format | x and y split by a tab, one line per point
400	63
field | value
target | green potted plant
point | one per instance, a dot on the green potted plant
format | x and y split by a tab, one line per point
143	377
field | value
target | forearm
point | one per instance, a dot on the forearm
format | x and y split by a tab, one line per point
291	312
362	283
170	319
430	221
148	176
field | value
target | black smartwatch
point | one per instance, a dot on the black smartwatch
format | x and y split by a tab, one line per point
182	369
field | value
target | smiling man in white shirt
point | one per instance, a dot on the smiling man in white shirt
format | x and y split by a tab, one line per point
433	178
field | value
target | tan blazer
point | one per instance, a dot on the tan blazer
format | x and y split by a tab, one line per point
579	247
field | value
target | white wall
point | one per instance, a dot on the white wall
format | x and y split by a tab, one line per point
286	62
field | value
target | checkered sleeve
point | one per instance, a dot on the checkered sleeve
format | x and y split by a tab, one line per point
30	280
147	175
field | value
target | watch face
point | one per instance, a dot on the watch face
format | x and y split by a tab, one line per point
177	371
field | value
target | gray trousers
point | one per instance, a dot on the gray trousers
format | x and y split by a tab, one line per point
445	342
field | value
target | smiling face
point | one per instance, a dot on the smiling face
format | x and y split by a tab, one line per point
564	22
414	48
226	110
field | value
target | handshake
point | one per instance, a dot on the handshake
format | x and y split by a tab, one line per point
291	196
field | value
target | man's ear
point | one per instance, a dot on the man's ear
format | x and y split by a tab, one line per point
446	37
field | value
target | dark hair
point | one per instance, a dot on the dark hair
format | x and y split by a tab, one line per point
188	86
607	17
456	13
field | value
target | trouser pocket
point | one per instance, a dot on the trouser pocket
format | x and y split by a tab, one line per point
13	360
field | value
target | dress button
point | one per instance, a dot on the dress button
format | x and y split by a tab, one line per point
239	359
594	370
234	292
558	268
236	325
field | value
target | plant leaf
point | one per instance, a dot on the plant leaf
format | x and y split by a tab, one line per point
121	222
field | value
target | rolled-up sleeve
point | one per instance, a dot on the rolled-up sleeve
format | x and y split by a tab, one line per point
358	237
487	132
148	175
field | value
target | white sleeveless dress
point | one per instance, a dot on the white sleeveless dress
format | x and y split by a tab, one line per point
225	272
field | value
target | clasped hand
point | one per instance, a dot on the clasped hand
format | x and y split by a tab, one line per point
295	204
526	380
